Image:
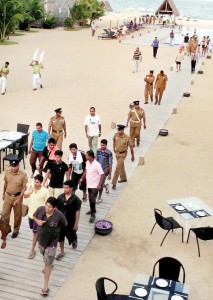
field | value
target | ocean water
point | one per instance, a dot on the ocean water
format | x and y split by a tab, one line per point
197	9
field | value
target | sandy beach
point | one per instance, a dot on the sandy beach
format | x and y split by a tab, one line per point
81	71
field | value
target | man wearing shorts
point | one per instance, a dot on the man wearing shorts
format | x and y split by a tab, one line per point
36	196
69	204
50	221
178	60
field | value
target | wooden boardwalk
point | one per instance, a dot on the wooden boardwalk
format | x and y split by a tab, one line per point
21	278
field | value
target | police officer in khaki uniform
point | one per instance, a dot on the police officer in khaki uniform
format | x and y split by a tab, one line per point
190	46
160	86
149	79
14	187
57	127
121	142
135	116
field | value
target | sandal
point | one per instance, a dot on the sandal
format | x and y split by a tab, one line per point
99	201
84	198
107	188
44	293
74	244
31	256
59	256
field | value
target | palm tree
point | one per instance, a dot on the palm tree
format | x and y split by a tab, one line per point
34	11
11	12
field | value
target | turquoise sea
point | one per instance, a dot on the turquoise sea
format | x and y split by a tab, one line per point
197	9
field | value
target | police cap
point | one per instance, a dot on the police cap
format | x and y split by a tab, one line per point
136	102
58	110
120	126
14	162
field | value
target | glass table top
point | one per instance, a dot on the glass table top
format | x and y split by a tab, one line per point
190	208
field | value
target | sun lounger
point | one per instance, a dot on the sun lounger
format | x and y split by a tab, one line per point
110	35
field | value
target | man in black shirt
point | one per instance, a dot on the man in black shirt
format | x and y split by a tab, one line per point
69	204
48	155
50	221
56	171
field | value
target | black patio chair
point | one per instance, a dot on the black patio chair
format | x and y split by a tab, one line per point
110	35
25	129
165	223
101	293
202	233
20	156
169	268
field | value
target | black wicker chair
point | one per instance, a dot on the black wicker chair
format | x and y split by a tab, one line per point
10	157
169	268
101	293
202	233
165	223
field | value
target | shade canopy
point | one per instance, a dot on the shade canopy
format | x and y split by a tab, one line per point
168	7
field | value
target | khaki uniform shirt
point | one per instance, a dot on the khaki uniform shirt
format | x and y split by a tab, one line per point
133	116
149	79
15	181
161	80
57	123
122	142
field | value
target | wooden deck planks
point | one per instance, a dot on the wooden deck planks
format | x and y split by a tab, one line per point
21	278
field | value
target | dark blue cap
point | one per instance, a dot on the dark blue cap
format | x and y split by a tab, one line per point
121	127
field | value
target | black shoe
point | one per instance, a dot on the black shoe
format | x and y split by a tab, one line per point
14	235
41	86
120	181
114	187
88	212
145	102
92	219
9	232
138	144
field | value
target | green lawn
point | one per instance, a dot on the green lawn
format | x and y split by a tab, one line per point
4	43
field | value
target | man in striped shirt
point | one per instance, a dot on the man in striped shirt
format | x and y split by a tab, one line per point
136	58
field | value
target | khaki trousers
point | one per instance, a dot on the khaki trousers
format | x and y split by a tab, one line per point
53	192
148	92
159	93
93	143
6	211
120	169
135	131
58	137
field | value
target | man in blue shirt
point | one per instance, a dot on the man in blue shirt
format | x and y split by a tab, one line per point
104	157
37	145
155	46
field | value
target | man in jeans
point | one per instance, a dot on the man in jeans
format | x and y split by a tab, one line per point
92	125
155	45
94	177
104	157
37	145
50	221
136	58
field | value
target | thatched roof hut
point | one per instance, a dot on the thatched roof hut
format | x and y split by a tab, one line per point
168	7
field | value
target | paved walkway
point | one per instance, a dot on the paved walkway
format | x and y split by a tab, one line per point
21	278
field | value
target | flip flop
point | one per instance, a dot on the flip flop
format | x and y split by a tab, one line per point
99	201
44	293
31	256
107	188
84	198
59	256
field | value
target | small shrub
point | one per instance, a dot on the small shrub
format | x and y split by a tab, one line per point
49	22
68	23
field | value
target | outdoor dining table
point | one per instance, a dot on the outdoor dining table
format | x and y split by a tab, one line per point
148	287
8	138
190	209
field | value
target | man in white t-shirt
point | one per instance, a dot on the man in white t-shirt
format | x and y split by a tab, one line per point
178	60
93	129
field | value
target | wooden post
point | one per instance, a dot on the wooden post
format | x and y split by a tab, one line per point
113	125
192	82
141	161
171	69
174	111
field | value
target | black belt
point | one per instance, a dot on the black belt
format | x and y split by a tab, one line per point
57	131
122	152
13	195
